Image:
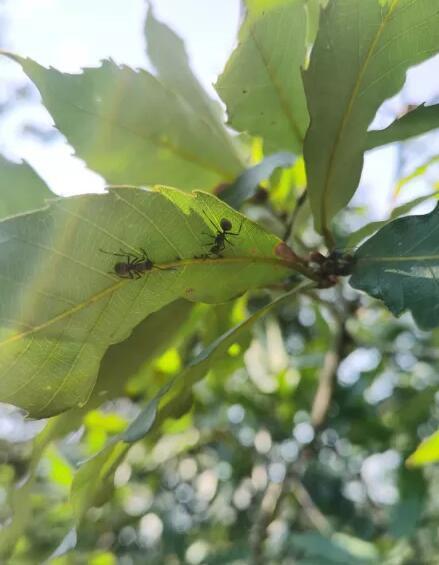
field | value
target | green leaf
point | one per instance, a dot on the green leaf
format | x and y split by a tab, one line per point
358	236
339	549
167	53
359	59
146	419
21	189
247	183
400	265
93	483
133	129
420	120
427	452
63	305
124	360
262	83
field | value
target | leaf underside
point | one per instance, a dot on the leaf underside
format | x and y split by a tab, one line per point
21	189
133	129
360	58
62	306
262	83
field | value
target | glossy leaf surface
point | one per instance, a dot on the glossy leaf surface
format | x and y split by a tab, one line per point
400	265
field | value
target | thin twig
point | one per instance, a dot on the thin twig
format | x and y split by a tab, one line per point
328	373
299	203
317	519
267	511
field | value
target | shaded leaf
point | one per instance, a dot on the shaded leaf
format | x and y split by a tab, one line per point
400	265
427	452
359	59
247	183
131	128
262	83
21	188
93	482
65	307
146	419
420	120
358	236
339	549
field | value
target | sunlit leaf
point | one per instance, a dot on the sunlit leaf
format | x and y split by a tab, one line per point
420	120
21	189
167	53
426	453
359	59
131	128
65	305
400	265
261	86
93	482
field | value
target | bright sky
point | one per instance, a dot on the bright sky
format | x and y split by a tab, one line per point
72	34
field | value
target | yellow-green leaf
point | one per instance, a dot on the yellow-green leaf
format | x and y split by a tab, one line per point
63	306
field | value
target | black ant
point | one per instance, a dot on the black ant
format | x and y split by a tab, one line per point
135	266
220	238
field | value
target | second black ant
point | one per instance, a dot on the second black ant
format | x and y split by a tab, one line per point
135	266
219	240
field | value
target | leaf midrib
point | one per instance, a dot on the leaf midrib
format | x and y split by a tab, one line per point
278	90
121	283
347	115
394	259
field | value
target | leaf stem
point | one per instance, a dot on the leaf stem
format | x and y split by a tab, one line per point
289	227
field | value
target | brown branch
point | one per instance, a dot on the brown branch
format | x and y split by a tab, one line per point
267	511
317	519
328	373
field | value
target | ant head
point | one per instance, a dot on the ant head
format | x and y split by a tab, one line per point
148	265
226	225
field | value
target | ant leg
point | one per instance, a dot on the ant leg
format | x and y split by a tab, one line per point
144	254
113	253
208	234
